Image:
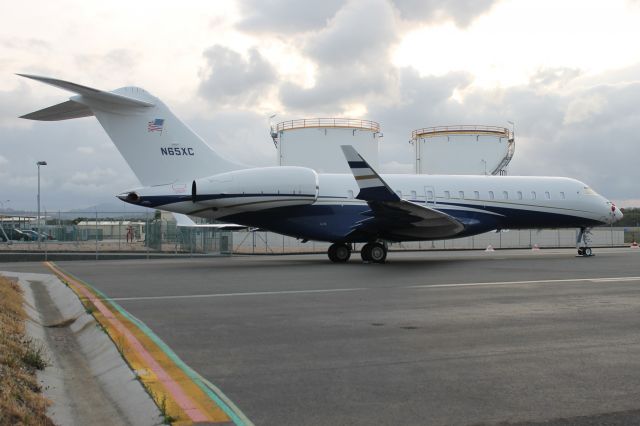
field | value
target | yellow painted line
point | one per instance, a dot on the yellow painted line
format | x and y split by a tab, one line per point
170	387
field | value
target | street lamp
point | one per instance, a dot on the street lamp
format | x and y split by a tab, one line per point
39	163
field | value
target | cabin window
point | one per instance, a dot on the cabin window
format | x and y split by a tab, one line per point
414	195
562	196
447	194
491	196
533	195
429	195
476	195
350	193
461	195
547	195
519	195
505	195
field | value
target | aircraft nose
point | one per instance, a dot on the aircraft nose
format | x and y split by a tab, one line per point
614	214
618	214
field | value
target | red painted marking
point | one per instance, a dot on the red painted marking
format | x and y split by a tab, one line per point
183	400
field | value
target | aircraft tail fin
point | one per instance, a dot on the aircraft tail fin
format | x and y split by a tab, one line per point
157	145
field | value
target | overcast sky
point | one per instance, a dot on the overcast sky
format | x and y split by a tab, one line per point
567	72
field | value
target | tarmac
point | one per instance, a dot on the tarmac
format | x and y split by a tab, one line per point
468	337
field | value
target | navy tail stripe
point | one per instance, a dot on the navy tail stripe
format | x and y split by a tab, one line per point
358	164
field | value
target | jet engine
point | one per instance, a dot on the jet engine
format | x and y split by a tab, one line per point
257	189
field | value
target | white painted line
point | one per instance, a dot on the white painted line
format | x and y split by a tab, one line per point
425	286
604	280
498	283
256	293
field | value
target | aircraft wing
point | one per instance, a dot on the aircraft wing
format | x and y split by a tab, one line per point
182	220
389	215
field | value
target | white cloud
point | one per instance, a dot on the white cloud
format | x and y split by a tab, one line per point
508	46
87	150
582	108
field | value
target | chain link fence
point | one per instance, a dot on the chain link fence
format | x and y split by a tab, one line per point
153	232
108	232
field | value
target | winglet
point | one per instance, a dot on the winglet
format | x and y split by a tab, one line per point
372	187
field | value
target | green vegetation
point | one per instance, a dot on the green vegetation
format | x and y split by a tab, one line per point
631	217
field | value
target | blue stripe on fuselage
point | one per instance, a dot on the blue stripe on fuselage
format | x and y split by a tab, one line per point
333	222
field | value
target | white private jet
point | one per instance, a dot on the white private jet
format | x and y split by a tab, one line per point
182	174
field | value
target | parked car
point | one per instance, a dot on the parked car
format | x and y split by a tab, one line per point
33	235
28	234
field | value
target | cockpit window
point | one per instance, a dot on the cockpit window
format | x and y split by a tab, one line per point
589	191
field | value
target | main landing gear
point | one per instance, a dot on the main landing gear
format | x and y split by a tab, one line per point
339	253
371	252
582	243
374	252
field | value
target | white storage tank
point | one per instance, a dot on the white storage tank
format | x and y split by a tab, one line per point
463	150
315	142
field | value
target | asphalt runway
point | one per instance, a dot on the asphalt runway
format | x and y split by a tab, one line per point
508	337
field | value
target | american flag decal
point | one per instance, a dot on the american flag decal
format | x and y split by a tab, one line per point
155	125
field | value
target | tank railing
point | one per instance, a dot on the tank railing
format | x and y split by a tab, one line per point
328	122
430	132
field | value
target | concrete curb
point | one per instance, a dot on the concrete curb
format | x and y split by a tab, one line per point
187	396
126	402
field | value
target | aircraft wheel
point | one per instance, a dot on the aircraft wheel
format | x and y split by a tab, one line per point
580	252
588	252
339	253
378	253
365	252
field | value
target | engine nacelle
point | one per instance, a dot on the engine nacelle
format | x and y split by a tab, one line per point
257	189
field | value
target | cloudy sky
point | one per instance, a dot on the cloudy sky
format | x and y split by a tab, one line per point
567	72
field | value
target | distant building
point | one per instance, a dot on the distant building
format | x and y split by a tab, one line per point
112	229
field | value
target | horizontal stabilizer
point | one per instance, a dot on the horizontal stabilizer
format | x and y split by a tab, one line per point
91	93
184	221
64	111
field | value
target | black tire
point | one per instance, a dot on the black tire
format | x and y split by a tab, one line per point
378	253
332	253
588	251
339	253
580	252
342	253
365	253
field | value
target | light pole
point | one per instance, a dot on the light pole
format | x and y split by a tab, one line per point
39	163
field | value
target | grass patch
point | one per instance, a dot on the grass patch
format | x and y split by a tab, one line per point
21	401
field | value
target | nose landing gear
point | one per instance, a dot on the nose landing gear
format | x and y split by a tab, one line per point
582	243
